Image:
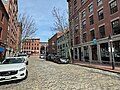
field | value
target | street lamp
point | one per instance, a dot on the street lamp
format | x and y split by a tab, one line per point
5	44
111	50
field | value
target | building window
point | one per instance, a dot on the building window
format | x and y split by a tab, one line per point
75	8
37	48
76	40
102	31
84	24
100	14
76	30
92	34
91	20
116	27
99	2
82	2
63	45
113	6
0	31
90	8
76	20
84	37
86	53
83	13
75	2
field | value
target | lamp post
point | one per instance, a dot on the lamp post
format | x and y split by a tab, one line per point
111	50
5	43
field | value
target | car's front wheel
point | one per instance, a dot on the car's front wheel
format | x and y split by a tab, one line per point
26	75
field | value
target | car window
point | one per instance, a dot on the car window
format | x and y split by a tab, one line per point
63	57
13	60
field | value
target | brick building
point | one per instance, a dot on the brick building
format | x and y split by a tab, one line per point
32	46
62	44
12	10
3	29
52	43
44	48
91	23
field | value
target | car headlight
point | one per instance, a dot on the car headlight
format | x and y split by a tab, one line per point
22	69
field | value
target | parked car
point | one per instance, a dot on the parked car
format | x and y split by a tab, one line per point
25	56
42	56
29	54
61	60
13	68
50	57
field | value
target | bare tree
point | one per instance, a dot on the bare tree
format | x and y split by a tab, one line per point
61	22
28	26
61	25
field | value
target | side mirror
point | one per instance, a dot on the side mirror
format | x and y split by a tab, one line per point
27	63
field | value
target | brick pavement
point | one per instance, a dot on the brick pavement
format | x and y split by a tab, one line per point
45	75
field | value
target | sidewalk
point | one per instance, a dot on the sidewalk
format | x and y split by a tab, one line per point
98	66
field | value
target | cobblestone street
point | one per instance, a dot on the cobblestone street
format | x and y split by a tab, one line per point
45	75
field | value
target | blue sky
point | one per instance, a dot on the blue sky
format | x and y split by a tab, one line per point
40	10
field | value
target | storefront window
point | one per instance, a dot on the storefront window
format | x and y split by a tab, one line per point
117	51
76	57
86	53
104	52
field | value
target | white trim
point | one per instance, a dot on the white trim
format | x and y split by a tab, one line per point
114	19
91	14
84	32
100	8
110	1
90	4
92	29
83	10
101	25
83	19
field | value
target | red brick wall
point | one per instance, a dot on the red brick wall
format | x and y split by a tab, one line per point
31	45
13	24
3	23
52	48
107	17
4	26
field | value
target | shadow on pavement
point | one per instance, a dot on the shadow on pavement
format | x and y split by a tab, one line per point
11	82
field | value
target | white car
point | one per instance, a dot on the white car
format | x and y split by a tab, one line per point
13	68
42	56
24	56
